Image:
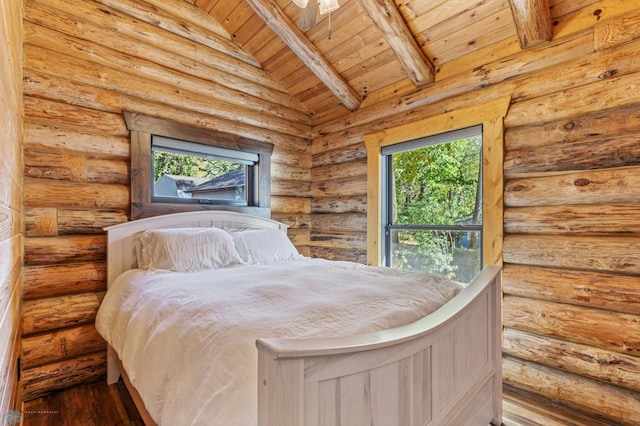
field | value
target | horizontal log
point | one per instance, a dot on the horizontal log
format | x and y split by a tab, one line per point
73	36
49	221
136	31
580	99
64	90
341	240
51	113
351	152
604	254
59	312
79	221
600	399
335	142
71	141
592	289
145	87
44	281
47	348
593	154
295	221
291	157
607	366
207	121
40	381
343	222
288	205
586	187
290	172
594	125
107	171
345	170
584	219
56	193
352	255
290	188
602	329
52	250
339	187
54	166
349	204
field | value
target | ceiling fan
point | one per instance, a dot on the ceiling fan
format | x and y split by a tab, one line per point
309	11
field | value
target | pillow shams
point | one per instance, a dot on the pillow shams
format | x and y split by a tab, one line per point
185	249
263	246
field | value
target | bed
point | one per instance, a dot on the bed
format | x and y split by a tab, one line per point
442	367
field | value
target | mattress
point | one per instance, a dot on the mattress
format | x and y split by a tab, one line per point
187	340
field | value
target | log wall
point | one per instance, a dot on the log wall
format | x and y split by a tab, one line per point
85	62
571	219
11	229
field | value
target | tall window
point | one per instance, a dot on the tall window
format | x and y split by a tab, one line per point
432	204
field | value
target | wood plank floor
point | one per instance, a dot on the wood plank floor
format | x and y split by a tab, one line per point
97	404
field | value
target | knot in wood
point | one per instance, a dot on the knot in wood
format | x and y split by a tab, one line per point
581	182
607	74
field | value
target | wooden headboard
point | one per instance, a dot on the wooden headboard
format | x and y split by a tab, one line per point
121	253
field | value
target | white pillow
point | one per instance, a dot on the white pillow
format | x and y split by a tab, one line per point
262	246
185	249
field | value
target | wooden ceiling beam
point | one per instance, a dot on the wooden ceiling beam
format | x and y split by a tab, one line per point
389	21
533	21
291	35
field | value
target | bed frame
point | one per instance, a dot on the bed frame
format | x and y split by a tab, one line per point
444	369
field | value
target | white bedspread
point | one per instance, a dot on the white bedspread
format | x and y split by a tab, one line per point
187	340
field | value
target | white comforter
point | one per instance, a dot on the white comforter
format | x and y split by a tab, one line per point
187	340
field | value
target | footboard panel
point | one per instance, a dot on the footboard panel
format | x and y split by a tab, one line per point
442	369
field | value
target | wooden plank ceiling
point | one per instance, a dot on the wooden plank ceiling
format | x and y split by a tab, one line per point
369	50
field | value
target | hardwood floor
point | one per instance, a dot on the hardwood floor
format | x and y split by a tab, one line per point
97	404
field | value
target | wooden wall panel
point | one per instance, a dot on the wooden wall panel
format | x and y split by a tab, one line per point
85	62
572	173
11	228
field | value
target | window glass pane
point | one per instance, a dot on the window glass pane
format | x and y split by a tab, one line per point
437	184
190	177
452	254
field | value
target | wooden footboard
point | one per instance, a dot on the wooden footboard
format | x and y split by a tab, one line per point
443	369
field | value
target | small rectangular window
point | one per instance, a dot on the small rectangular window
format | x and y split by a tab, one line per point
432	209
195	173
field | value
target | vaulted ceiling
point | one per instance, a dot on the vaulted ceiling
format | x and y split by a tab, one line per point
370	50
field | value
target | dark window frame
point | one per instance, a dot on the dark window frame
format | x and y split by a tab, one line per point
387	182
143	128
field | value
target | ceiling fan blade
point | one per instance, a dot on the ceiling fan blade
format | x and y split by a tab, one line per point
308	15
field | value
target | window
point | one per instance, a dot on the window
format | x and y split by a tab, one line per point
432	204
194	173
175	167
488	116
